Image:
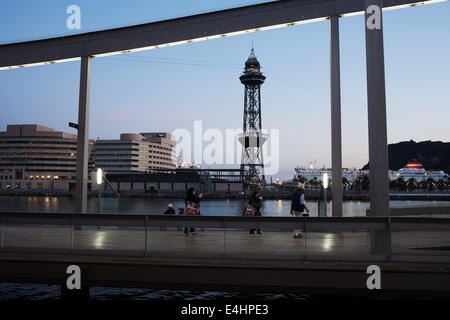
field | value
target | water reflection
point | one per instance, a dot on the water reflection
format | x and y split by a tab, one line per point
47	203
99	239
158	206
327	242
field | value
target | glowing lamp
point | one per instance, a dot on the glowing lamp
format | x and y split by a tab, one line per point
99	176
325	180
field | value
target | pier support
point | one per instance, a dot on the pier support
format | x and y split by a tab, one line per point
336	135
376	103
83	137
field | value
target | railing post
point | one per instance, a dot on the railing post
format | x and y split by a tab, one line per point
304	231
224	235
146	235
388	239
1	231
72	233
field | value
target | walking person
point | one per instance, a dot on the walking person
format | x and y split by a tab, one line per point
255	202
192	207
298	205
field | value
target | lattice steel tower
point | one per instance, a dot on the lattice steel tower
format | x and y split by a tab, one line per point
252	139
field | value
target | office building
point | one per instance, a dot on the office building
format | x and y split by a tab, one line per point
140	152
34	157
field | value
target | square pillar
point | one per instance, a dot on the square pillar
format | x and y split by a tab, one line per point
376	104
336	132
83	138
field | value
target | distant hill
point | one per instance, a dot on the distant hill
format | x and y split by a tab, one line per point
434	155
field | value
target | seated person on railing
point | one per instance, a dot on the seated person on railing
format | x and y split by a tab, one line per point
169	210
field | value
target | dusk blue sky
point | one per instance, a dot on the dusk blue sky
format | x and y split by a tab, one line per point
170	88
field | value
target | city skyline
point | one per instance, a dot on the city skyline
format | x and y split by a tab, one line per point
170	88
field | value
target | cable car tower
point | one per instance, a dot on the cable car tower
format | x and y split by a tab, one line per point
252	139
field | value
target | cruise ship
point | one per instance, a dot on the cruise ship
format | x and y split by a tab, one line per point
311	173
413	170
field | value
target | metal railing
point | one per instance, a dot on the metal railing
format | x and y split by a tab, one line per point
324	238
417	210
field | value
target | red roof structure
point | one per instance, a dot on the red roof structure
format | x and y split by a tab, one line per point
414	164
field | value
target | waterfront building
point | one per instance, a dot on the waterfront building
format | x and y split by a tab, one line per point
219	181
34	157
40	159
135	152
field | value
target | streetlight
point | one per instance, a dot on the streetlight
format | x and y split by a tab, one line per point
325	186
99	186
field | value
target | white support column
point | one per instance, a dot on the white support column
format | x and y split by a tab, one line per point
336	135
83	137
376	98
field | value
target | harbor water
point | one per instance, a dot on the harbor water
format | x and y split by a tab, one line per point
279	208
